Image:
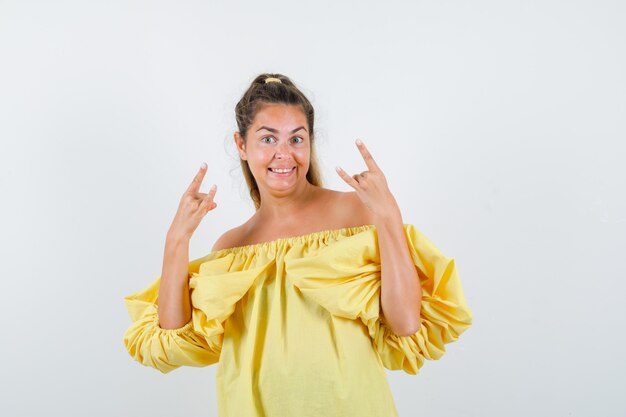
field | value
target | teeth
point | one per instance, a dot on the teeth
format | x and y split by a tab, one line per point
280	170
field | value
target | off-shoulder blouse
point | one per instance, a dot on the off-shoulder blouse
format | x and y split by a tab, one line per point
296	327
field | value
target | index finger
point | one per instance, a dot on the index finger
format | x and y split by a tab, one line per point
367	156
197	180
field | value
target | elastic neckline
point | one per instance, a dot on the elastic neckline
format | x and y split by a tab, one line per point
349	231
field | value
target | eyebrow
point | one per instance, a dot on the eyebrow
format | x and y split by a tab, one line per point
276	131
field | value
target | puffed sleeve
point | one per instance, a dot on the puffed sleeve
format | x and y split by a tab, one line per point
216	283
345	279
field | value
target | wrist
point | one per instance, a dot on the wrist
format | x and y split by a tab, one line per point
176	238
391	214
388	217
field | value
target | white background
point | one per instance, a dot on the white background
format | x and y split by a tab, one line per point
499	125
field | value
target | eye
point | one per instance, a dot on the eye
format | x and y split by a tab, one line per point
299	137
266	137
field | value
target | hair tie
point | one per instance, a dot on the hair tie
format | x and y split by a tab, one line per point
272	80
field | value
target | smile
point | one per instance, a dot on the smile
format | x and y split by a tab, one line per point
282	172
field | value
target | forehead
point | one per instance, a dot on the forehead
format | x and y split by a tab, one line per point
280	116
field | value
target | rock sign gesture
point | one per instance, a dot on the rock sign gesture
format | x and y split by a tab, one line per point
371	185
193	206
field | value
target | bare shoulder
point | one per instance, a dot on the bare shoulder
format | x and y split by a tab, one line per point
228	239
353	209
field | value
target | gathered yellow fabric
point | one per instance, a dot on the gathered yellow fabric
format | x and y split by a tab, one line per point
295	324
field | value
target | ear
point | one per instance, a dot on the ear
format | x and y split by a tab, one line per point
240	143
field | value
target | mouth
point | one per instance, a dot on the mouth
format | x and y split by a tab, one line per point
282	172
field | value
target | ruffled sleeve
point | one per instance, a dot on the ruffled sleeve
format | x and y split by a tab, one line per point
217	281
344	278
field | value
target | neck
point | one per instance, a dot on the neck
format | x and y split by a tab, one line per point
287	205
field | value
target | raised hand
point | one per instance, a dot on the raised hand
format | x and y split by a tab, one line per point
371	185
193	206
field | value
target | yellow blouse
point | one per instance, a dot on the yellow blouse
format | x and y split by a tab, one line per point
295	325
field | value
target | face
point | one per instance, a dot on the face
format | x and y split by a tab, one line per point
277	139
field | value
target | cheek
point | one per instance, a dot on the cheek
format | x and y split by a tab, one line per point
303	156
260	157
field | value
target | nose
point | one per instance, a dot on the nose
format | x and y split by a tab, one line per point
282	151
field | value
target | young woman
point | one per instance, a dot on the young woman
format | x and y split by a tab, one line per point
307	302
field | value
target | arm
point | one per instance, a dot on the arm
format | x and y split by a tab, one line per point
174	299
174	305
401	292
